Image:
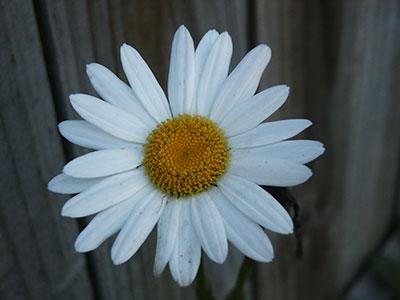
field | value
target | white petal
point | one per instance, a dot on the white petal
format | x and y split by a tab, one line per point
185	259
214	72
105	224
167	231
246	235
299	151
256	203
104	162
144	84
64	184
249	114
84	134
203	50
181	77
209	227
108	192
269	171
268	133
242	82
116	92
109	118
138	226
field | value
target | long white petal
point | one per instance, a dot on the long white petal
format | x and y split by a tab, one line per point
115	91
144	84
110	118
138	226
256	203
269	171
214	73
268	133
104	162
249	114
106	193
185	259
209	227
104	225
64	184
181	77
246	235
203	51
84	134
299	151
167	232
242	82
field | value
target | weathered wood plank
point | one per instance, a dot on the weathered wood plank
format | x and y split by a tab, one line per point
36	259
371	88
69	47
328	52
336	79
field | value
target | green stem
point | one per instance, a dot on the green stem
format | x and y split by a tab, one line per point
237	292
203	286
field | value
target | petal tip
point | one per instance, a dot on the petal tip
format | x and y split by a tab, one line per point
116	256
184	283
61	124
225	34
221	259
264	49
285	88
80	246
51	182
65	212
124	49
307	123
74	98
118	260
157	270
181	27
61	127
66	169
91	68
290	228
50	187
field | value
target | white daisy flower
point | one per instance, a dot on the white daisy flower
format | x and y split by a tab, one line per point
191	163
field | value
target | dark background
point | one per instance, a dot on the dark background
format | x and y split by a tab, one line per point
341	59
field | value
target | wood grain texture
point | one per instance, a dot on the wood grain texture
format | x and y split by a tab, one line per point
36	259
68	35
346	86
340	59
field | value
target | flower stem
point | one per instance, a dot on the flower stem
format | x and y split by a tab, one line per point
237	292
203	286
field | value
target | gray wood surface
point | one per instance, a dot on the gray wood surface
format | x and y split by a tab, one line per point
341	60
36	257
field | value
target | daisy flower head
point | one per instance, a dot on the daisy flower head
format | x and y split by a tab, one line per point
190	164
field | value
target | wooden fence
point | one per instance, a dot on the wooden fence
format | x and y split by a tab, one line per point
342	61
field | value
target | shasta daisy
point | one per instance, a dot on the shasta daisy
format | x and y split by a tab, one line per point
190	164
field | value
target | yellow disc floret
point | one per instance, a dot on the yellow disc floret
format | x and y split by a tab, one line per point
185	155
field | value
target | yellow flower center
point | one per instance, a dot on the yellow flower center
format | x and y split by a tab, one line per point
185	155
